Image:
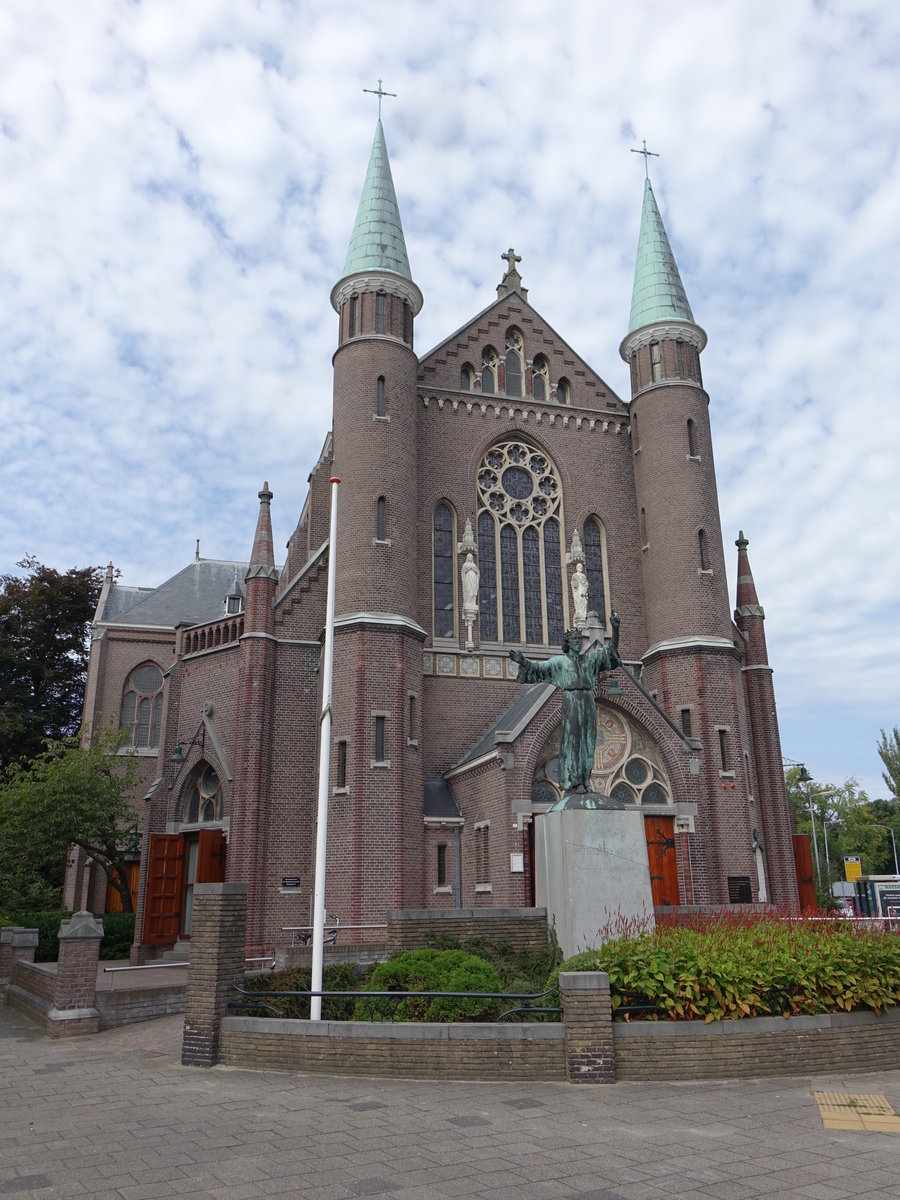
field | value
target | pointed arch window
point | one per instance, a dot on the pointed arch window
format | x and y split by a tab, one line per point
513	363
466	375
442	550
540	375
380	306
489	370
203	796
563	392
142	706
655	362
520	546
594	565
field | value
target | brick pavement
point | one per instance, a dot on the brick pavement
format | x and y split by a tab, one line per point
116	1116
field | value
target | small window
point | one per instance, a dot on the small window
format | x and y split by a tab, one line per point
563	392
701	546
413	719
634	431
379	311
233	605
379	739
645	541
407	323
465	377
379	397
442	864
679	355
489	371
354	316
692	448
204	797
482	854
539	378
686	722
381	519
655	362
513	364
723	748
341	764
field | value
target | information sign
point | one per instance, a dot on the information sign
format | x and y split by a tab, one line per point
852	867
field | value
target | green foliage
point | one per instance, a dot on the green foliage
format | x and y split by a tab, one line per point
845	816
66	796
735	967
432	971
889	753
118	932
519	971
45	616
336	977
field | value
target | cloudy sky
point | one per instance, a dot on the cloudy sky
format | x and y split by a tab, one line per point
177	190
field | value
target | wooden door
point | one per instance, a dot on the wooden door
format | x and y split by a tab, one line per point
660	834
163	896
211	856
806	882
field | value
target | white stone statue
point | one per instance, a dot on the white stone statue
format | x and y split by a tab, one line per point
580	595
470	577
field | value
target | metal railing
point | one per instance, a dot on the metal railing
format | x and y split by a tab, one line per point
389	1002
303	933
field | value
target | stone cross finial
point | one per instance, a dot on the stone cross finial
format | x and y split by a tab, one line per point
647	154
511	259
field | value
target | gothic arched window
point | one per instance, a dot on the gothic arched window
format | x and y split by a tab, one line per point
442	550
489	370
513	363
142	706
520	546
466	375
539	376
203	796
594	548
562	392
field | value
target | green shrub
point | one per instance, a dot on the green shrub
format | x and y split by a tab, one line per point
432	971
336	977
118	932
727	966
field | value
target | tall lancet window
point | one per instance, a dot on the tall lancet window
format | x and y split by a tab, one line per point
594	554
443	571
514	363
520	546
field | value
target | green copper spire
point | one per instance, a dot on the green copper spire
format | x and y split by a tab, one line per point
658	293
377	243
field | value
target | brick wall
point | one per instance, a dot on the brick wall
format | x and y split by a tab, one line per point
129	1005
523	928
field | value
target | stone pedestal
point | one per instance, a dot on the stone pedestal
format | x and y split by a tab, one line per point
591	873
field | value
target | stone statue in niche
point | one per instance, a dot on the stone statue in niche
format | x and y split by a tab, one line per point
470	577
580	596
576	674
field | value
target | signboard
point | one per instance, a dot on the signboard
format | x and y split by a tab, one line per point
517	863
852	867
290	881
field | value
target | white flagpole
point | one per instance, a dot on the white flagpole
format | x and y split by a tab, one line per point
318	936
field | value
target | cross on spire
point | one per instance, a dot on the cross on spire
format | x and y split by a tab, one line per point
379	92
645	152
511	259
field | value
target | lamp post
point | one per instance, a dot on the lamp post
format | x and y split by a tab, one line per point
875	825
805	777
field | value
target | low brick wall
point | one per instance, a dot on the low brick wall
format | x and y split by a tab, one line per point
857	1041
413	928
32	988
404	1049
126	1006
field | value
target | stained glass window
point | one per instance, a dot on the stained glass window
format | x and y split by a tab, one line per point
487	589
539	377
593	568
509	582
443	572
142	706
519	508
489	371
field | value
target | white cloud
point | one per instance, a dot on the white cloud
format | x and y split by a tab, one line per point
179	186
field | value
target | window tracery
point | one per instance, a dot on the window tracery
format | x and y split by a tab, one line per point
519	530
513	363
142	706
489	370
203	796
540	376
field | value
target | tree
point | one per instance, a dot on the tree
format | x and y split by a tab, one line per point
889	753
844	818
66	796
44	622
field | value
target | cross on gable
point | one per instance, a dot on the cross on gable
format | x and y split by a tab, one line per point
511	259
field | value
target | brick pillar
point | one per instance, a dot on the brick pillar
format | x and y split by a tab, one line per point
75	988
17	944
587	1015
218	933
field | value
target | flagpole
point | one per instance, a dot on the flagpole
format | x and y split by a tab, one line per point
318	935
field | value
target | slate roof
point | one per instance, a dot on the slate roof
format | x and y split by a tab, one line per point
531	698
439	802
193	595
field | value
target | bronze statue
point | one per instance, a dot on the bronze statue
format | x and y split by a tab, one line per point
575	674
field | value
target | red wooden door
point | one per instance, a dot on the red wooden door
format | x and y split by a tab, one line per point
211	856
165	887
660	834
806	883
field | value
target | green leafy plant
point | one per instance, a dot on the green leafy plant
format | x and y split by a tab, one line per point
432	971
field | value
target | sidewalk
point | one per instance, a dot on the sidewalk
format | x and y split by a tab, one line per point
117	1116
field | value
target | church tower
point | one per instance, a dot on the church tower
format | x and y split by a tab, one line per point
376	811
691	661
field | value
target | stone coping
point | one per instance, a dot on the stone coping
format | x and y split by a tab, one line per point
753	1026
407	1031
449	914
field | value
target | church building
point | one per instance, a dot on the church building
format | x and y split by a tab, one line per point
496	491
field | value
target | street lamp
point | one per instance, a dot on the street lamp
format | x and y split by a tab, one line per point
875	825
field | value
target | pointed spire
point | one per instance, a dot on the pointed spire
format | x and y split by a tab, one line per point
746	588
262	557
658	293
749	615
377	243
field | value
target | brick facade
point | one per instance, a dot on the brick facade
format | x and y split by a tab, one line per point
410	703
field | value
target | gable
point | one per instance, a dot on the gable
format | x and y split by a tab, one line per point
440	368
